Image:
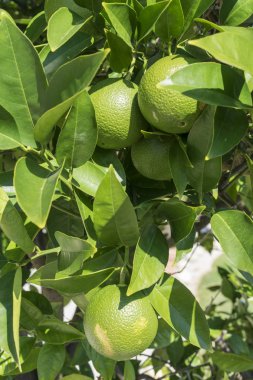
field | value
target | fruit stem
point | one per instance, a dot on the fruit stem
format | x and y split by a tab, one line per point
124	268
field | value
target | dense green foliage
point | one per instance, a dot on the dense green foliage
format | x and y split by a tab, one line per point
75	217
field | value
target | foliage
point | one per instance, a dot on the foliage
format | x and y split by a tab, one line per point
75	217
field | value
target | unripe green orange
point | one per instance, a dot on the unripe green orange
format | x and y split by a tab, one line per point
166	109
119	326
117	112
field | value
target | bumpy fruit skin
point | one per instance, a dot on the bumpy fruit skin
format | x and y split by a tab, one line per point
117	326
117	112
166	109
150	157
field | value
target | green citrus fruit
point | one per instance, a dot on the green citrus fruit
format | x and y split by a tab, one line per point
118	115
166	109
151	157
119	326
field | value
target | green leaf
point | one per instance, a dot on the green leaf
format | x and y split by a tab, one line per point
180	216
205	175
129	372
115	220
211	83
63	24
21	70
121	53
123	20
10	301
64	216
92	5
52	6
240	54
74	252
56	332
35	187
234	231
105	366
56	357
230	362
200	137
47	276
78	138
36	26
68	82
150	259
85	208
89	176
71	49
179	161
9	366
178	307
33	306
230	126
149	16
76	376
190	8
236	12
12	224
171	22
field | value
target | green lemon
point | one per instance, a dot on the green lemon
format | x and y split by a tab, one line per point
151	157
119	326
166	109
117	112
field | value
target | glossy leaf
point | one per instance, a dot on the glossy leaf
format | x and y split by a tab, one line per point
63	24
78	138
65	86
47	276
64	217
56	357
234	229
123	19
149	16
36	26
236	12
89	176
205	175
178	307
85	208
231	362
190	8
74	252
240	53
121	53
76	376
200	137
52	6
20	69
230	126
9	134
150	259
211	83
35	187
180	216
9	366
114	216
179	161
105	366
12	224
129	372
56	332
10	301
171	22
53	60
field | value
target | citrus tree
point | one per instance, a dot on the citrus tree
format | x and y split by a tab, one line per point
125	131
